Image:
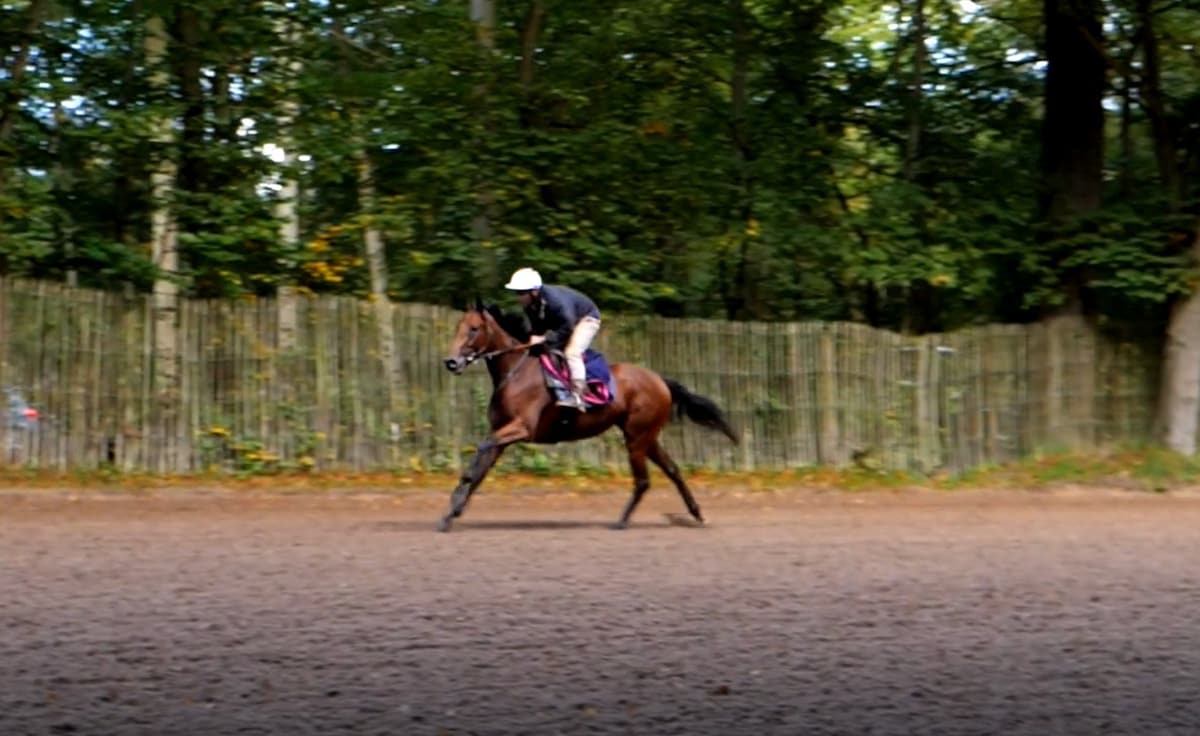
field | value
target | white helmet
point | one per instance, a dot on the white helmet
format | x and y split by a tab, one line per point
524	279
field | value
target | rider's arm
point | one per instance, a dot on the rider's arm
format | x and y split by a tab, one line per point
564	315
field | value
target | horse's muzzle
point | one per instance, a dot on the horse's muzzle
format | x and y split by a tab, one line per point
456	365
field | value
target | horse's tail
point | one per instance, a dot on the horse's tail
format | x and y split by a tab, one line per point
699	409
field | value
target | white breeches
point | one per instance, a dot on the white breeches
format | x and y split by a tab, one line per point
580	340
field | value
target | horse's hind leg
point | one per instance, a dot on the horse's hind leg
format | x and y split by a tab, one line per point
641	481
664	461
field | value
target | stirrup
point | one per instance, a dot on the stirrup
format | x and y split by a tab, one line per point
572	402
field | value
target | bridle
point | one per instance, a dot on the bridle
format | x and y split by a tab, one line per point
496	353
491	354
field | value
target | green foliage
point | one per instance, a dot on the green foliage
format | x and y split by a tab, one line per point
27	232
652	154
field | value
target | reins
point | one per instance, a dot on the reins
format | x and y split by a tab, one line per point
496	353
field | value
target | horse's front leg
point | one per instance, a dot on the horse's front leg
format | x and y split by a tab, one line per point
486	455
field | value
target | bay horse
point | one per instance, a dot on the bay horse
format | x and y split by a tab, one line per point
522	409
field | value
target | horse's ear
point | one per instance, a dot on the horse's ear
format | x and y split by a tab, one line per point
478	304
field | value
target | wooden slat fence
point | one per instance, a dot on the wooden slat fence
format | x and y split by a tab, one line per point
302	381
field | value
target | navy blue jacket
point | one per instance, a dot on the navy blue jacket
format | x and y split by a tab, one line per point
556	312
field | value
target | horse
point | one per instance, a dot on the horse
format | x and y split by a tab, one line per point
522	409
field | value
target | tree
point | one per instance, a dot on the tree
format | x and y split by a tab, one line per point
164	234
754	159
1072	151
1179	397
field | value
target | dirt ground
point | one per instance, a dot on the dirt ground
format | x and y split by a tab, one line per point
793	612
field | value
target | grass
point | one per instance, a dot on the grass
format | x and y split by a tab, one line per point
1148	469
1145	469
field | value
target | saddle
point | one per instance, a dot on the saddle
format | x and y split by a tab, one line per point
600	388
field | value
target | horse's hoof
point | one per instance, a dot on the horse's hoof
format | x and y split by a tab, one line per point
444	525
618	526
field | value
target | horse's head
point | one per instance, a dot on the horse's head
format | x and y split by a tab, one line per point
470	340
478	333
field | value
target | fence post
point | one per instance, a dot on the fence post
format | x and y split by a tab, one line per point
926	409
828	450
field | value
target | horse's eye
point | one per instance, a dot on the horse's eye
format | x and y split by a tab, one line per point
472	332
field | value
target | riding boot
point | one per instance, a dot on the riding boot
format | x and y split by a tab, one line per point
575	400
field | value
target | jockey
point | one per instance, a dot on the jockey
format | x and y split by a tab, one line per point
563	319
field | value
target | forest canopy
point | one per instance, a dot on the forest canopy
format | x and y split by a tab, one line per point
918	166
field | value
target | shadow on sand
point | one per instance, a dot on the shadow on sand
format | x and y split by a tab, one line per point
467	525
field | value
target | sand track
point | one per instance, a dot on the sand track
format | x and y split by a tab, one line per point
984	613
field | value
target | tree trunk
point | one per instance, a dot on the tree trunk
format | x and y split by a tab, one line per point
188	70
372	239
739	298
165	254
919	293
1179	392
1125	175
1072	157
225	129
912	151
122	223
530	30
1179	396
376	258
16	74
483	15
1073	125
530	115
1156	108
287	205
62	185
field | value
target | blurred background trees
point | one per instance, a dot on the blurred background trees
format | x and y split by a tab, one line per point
917	166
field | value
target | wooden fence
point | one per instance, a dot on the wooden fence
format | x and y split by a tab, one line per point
303	381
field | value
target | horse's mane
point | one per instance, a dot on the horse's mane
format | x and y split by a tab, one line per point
511	322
